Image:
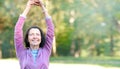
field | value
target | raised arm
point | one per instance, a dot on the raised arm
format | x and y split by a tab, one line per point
49	34
18	33
50	29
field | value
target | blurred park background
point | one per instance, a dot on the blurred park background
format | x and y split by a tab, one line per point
86	31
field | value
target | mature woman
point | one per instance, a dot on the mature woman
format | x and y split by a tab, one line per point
37	49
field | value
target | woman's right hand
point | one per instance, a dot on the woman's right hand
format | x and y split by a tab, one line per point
30	3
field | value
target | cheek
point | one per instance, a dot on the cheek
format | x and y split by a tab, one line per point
29	38
40	38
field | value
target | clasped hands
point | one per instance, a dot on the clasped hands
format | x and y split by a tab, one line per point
35	2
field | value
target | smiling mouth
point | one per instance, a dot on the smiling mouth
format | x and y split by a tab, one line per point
35	40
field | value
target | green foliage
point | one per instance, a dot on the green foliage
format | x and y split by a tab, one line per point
1	2
8	49
104	61
76	21
63	35
7	21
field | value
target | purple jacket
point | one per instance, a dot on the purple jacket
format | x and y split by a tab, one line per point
24	55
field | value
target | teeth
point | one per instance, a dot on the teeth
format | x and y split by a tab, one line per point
34	40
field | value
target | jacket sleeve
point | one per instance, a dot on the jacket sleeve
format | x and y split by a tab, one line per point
18	36
49	35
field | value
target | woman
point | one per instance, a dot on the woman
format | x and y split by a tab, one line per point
37	50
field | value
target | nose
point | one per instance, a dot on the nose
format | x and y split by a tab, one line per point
35	36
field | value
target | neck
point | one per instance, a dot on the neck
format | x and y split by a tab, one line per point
34	47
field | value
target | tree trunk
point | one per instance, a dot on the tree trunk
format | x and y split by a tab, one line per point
78	44
0	50
0	53
72	50
111	45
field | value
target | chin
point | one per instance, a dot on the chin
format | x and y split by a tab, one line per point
36	44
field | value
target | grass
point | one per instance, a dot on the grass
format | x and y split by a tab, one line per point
103	61
99	61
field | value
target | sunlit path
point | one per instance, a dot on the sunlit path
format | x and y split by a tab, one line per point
9	64
14	64
77	66
74	66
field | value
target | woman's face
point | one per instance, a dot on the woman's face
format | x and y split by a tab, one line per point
34	37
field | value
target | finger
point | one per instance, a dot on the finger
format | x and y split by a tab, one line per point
37	4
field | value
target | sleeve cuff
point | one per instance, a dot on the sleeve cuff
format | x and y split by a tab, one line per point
23	15
48	17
